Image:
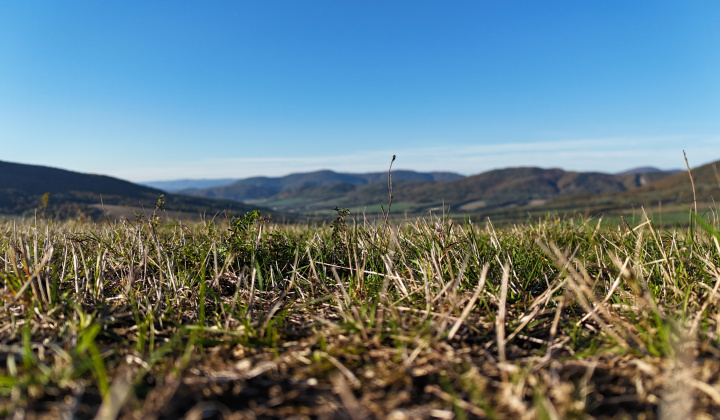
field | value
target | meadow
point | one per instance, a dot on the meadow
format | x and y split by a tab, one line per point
242	318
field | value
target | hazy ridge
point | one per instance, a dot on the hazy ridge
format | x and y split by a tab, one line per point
67	194
415	192
508	193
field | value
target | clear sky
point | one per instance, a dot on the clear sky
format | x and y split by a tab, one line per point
159	90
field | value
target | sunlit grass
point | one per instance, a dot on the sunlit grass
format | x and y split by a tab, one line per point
430	317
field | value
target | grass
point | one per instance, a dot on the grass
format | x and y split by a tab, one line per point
359	211
428	318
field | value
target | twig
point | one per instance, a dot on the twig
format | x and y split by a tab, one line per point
500	320
389	190
693	186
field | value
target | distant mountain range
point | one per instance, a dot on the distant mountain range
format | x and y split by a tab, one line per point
675	189
416	192
666	198
63	193
267	187
509	194
310	178
184	184
261	186
646	170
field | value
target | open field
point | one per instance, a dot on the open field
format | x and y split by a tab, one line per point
427	318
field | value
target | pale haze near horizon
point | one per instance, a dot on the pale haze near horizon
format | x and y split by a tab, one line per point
168	90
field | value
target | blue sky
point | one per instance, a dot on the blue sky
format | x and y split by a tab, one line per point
176	89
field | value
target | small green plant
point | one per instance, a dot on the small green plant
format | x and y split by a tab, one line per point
242	225
337	247
339	225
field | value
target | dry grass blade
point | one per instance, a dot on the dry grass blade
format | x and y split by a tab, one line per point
470	304
581	292
353	407
613	287
709	390
556	320
502	310
345	371
471	408
692	183
350	311
120	390
677	400
698	317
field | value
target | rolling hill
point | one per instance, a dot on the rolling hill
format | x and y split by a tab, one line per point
675	189
266	187
71	194
667	200
416	192
646	170
509	193
185	184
